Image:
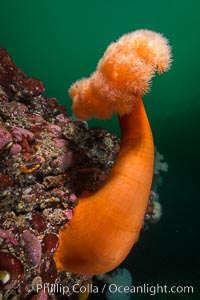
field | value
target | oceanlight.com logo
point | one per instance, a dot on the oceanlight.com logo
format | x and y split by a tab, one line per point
152	290
146	288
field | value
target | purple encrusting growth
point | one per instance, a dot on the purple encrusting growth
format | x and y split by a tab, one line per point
5	137
8	237
32	247
46	161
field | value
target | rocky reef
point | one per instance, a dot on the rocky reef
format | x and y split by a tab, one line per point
46	161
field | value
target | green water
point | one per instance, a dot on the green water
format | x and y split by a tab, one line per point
61	41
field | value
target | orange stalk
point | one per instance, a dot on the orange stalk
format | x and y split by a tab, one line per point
107	224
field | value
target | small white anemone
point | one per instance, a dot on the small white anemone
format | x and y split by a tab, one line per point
117	281
157	212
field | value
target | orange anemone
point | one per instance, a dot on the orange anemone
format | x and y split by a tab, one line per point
106	224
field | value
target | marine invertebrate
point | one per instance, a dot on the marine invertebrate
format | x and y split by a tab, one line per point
107	223
154	210
120	277
4	276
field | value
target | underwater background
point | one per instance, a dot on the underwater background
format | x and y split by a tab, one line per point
60	42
